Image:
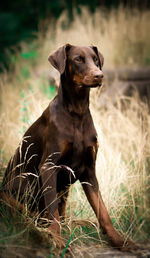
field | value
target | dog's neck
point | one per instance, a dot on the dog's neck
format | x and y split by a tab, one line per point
75	100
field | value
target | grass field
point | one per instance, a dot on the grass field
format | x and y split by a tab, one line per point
123	162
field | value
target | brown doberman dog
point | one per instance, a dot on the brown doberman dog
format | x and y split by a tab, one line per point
61	146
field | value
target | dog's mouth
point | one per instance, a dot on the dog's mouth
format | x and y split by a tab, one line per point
91	85
94	85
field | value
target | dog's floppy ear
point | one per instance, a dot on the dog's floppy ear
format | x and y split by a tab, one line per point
100	56
58	58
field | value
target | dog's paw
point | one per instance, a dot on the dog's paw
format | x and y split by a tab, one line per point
119	242
128	246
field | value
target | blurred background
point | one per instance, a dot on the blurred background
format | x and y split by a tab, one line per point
23	20
29	31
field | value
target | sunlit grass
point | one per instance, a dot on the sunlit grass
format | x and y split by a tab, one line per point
122	35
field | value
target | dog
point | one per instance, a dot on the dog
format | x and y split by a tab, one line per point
60	147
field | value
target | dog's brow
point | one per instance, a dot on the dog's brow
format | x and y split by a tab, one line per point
79	55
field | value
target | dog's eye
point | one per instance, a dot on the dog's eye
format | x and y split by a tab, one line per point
79	59
95	60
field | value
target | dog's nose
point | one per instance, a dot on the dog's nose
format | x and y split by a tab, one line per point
98	75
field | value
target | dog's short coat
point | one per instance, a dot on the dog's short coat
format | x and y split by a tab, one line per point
61	146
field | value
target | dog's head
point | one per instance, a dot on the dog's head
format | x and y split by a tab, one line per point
82	65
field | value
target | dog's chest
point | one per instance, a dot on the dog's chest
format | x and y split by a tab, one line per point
80	139
75	139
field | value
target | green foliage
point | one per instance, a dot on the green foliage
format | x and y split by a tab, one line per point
65	249
29	55
86	233
49	91
147	61
25	72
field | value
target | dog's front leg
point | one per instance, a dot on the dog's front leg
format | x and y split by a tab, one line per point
91	189
48	175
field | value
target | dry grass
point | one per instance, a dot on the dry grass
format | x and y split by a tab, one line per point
122	35
124	136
